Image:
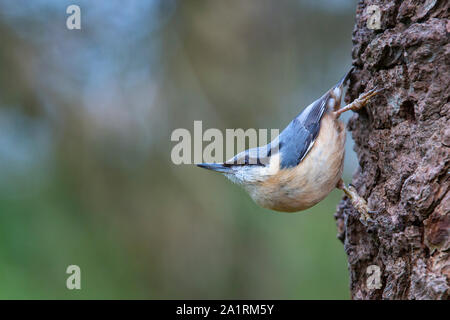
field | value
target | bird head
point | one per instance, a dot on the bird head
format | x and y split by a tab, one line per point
250	167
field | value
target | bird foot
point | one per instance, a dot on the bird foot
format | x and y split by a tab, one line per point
359	204
363	99
357	201
359	102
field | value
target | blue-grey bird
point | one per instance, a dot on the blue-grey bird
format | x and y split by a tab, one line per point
304	163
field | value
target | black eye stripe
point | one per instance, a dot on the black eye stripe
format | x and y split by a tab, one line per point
246	163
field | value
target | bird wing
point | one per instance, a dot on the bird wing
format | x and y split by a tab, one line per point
298	138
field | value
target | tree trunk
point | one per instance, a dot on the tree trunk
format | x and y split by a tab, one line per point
402	139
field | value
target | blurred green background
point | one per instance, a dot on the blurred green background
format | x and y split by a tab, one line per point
85	171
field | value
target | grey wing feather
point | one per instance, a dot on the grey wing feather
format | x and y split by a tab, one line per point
298	138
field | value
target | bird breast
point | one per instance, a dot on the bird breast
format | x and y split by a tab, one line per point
303	186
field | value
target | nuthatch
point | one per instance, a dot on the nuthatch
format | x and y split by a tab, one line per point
304	163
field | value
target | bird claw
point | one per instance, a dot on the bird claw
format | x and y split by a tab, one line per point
358	203
365	97
359	102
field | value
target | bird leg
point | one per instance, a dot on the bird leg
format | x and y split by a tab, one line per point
357	201
358	103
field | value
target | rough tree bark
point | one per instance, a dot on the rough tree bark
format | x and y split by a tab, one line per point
402	139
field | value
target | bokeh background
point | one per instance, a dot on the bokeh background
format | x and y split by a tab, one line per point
86	176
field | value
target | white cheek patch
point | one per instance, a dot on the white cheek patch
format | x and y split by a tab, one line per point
255	174
331	103
337	92
274	165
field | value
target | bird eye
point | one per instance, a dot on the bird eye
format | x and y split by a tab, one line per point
244	160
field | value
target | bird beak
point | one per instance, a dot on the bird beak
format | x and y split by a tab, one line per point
218	167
